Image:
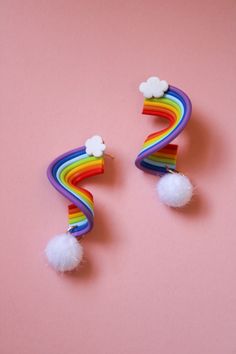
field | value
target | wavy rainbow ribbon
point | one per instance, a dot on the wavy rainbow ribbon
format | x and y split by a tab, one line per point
64	173
157	155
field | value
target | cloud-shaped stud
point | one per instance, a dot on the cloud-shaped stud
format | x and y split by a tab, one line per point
153	87
95	146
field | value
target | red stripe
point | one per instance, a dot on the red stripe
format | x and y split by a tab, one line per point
73	209
161	112
77	177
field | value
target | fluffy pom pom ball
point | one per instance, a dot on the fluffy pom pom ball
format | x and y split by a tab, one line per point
175	190
64	252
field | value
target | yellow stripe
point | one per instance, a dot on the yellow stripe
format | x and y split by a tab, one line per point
76	214
75	220
169	107
85	168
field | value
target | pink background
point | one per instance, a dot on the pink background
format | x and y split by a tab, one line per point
154	280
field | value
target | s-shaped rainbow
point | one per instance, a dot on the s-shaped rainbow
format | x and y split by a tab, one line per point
64	173
157	155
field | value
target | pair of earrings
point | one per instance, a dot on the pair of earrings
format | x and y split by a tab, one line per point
157	156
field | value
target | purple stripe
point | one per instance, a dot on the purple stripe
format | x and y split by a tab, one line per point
170	137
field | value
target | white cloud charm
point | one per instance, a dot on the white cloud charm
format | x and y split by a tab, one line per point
153	87
95	146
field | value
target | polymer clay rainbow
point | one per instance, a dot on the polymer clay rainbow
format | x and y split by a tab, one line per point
157	156
64	173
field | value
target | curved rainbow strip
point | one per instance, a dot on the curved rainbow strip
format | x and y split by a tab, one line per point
157	155
64	173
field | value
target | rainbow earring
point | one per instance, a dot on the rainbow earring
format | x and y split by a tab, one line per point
64	252
158	156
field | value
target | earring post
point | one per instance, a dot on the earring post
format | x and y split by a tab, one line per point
109	155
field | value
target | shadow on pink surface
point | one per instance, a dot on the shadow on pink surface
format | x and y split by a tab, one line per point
202	140
198	157
102	232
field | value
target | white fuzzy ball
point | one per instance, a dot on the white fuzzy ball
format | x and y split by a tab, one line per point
174	190
64	252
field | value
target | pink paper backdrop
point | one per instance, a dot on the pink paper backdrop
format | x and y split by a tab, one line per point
155	280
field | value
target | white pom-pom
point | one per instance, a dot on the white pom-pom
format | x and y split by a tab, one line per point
175	189
64	252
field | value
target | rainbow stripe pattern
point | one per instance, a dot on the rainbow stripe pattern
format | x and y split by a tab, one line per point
64	173
157	155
